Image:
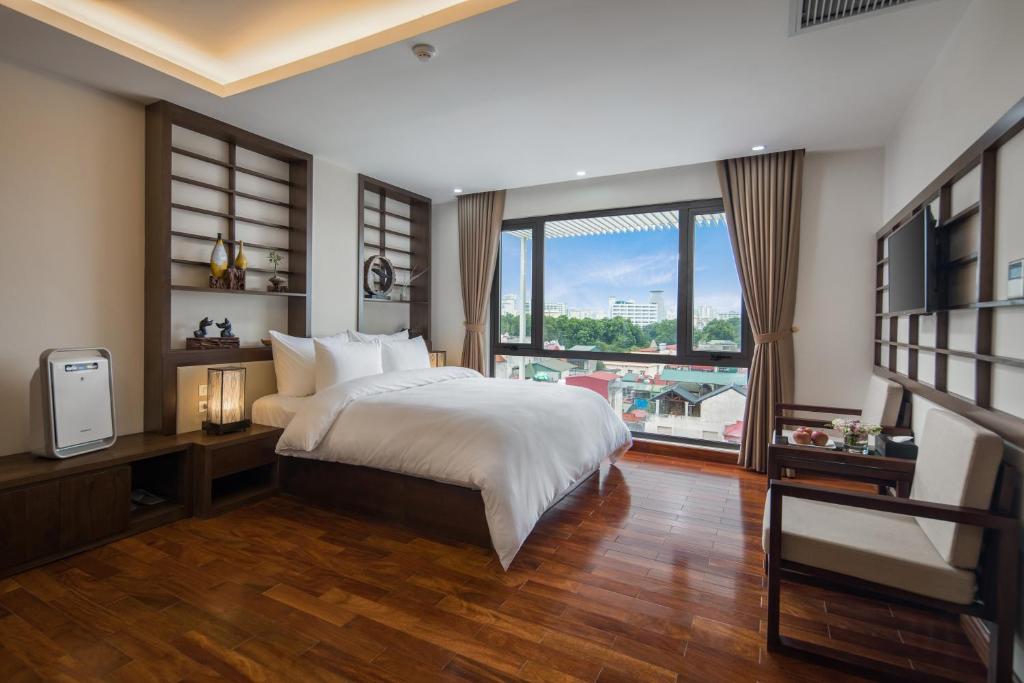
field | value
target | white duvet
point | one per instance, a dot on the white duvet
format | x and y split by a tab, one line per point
522	444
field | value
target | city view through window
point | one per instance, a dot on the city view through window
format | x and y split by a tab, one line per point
611	286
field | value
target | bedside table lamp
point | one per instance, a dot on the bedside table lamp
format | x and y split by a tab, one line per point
438	359
225	410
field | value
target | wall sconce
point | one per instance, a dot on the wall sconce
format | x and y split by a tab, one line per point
438	359
225	410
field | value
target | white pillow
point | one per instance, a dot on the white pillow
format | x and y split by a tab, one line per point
295	362
405	355
363	337
339	361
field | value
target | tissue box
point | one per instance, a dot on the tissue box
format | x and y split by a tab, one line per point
905	449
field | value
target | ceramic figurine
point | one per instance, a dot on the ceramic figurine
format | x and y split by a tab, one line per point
219	258
203	324
225	328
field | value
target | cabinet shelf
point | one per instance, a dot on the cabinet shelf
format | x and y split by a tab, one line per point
229	216
227	164
236	193
390	301
256	292
254	245
204	264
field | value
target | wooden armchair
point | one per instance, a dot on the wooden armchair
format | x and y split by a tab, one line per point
881	406
951	546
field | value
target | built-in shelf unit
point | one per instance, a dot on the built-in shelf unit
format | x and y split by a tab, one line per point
395	223
205	178
961	354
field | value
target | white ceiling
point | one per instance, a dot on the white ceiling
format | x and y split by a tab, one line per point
534	91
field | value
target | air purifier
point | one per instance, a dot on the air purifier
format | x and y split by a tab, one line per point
76	403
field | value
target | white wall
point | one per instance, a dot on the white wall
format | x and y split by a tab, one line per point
72	218
842	209
72	181
976	79
842	201
335	245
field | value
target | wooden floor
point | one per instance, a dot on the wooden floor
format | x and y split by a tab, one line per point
650	572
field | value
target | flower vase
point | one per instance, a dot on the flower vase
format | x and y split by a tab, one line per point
855	442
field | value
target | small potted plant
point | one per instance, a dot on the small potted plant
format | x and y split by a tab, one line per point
276	281
855	433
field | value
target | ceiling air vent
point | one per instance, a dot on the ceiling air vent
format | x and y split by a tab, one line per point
811	14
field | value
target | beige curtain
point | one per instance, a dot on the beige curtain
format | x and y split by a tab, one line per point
479	232
762	204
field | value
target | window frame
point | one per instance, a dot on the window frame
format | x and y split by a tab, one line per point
685	354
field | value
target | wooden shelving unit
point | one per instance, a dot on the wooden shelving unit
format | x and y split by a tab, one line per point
964	242
173	166
395	223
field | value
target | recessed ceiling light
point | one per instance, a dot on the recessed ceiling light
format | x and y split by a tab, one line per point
581	173
458	190
757	148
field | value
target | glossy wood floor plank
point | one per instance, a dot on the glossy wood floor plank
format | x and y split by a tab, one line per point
650	572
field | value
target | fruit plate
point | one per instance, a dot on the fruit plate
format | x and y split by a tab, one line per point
829	444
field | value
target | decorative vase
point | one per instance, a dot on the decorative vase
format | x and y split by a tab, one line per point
855	442
219	258
241	262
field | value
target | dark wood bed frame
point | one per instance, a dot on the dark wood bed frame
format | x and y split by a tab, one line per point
441	510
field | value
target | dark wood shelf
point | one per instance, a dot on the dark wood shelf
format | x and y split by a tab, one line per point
254	245
882	288
388	213
204	264
960	216
1002	303
229	216
256	292
390	232
965	260
970	355
228	164
236	193
145	517
367	245
882	262
391	301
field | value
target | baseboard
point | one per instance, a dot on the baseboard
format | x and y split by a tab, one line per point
722	456
977	633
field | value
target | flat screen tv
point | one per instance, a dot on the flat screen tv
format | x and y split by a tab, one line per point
912	266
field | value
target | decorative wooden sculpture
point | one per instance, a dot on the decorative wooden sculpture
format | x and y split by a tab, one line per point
203	324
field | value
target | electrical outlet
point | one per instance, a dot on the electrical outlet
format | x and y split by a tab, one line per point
202	390
202	407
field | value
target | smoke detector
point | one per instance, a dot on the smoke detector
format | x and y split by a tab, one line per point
424	52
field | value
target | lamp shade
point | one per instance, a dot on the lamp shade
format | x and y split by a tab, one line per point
225	409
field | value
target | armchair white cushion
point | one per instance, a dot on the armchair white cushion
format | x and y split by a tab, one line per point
881	547
882	404
957	463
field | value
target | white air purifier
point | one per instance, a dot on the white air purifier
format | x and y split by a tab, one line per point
76	399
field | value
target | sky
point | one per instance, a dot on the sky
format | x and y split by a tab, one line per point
582	272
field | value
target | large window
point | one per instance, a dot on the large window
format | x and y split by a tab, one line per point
641	305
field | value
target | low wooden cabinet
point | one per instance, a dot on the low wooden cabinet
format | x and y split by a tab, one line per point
54	508
94	506
234	469
29	524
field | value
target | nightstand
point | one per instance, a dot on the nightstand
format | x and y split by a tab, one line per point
234	469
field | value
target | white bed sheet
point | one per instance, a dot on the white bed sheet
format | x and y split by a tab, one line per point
521	444
276	410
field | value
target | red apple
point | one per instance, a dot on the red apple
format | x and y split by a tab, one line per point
801	437
819	438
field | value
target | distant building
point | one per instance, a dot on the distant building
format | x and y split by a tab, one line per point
638	314
556	309
508	304
584	314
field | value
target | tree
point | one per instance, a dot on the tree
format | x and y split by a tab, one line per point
721	329
662	332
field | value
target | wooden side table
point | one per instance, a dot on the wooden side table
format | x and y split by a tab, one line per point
234	469
869	468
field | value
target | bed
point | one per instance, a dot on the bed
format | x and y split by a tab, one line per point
445	450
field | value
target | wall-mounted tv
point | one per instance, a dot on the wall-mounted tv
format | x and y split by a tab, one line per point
912	266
